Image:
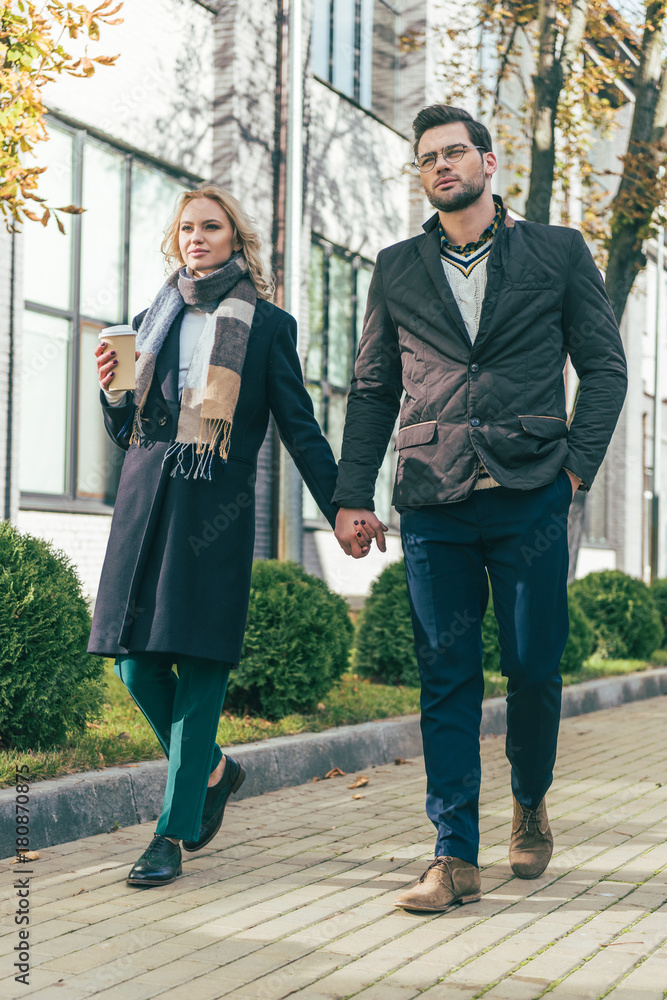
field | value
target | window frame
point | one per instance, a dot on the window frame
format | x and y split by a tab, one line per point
68	501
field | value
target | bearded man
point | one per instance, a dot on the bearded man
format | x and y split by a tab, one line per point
473	321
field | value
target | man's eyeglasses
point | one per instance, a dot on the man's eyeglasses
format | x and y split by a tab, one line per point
451	154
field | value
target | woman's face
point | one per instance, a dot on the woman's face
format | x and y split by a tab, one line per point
205	236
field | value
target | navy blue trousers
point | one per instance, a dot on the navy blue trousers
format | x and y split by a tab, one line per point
518	538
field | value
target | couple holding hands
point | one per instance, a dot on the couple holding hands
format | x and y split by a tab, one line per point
467	330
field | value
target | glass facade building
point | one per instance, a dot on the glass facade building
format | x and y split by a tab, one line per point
104	270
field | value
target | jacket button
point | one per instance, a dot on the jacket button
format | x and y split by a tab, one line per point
474	368
162	421
474	422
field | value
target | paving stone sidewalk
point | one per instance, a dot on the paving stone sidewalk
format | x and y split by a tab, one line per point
294	896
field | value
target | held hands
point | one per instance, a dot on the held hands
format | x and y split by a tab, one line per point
106	362
355	530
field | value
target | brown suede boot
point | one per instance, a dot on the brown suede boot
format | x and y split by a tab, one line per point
531	844
446	882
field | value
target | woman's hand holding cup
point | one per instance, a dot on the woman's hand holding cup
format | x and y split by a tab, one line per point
106	364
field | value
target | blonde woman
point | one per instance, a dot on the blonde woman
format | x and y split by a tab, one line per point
214	358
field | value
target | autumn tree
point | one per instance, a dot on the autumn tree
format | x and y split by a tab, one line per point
642	192
32	54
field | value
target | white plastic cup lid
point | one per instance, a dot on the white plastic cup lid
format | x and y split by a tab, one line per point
123	330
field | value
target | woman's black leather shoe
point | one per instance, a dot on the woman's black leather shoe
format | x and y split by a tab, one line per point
158	865
214	804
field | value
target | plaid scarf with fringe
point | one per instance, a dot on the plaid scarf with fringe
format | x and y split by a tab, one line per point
213	379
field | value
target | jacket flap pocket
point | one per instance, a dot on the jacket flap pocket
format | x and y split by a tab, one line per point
544	427
415	434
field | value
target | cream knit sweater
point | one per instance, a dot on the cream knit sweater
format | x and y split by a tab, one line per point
467	280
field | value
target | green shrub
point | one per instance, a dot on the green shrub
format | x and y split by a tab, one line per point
384	640
659	594
296	645
623	614
49	684
581	640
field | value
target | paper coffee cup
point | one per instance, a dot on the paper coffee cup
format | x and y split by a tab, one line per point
121	339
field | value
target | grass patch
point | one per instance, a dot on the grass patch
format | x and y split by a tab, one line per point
124	736
596	667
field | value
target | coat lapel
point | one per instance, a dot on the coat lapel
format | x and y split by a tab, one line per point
430	254
494	277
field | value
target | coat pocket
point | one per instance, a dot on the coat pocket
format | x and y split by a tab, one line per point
550	428
415	434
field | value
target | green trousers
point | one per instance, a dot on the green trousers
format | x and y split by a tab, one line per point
184	711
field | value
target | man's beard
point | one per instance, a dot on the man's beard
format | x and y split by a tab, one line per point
467	194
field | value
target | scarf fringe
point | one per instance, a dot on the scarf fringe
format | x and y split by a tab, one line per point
201	453
137	429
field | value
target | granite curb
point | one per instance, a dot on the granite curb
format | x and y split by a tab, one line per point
84	804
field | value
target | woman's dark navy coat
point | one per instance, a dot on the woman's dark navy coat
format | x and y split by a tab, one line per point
176	576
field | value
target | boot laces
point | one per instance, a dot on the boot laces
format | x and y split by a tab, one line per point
441	862
530	816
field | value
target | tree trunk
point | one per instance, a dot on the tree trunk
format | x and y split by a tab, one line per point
548	82
631	209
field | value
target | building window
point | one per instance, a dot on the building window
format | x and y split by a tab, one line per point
355	48
103	271
338	288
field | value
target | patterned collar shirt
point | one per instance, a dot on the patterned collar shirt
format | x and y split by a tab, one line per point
465	270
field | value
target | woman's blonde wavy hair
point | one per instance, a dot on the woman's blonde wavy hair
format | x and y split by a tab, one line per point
243	228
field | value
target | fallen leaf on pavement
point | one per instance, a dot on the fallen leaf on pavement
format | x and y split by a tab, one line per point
79	892
26	856
401	760
357	796
335	772
359	782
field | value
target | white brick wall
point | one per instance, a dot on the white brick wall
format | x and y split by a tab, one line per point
83	537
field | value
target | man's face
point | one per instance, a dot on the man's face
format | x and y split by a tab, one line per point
451	187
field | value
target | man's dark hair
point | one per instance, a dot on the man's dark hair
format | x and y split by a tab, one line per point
443	114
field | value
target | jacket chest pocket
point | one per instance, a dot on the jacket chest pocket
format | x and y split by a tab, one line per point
530	276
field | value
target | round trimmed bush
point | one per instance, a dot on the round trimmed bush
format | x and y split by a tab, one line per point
659	594
296	645
384	640
49	685
623	614
581	639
